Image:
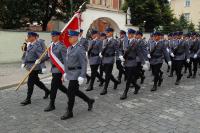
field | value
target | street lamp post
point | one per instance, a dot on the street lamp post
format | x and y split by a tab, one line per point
144	22
71	7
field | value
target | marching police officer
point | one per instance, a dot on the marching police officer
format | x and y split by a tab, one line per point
123	40
157	51
75	72
95	47
42	43
57	52
85	44
194	49
34	51
179	52
108	58
131	52
103	39
143	45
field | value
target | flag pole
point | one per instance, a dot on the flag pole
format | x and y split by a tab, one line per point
44	53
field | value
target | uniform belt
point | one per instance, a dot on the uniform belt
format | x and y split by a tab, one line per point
92	55
131	58
109	55
30	62
156	56
74	68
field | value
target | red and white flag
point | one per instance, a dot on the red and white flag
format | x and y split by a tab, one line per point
73	24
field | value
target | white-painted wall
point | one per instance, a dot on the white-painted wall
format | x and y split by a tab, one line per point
10	45
92	14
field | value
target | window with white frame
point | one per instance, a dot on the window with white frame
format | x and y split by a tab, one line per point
187	16
187	3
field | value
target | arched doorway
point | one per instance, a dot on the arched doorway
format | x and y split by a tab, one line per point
102	23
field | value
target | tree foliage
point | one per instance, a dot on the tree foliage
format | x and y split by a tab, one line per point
17	13
154	12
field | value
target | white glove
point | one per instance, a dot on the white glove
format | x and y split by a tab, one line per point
44	70
195	56
145	67
172	54
122	63
100	55
37	62
80	80
149	56
147	62
169	63
168	50
86	54
22	66
64	77
121	58
188	60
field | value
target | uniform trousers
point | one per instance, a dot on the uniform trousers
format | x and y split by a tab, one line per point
73	90
56	83
33	79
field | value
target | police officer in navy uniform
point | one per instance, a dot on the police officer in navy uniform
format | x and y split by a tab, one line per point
130	62
157	52
59	50
143	45
108	59
33	53
122	41
171	45
179	52
42	43
75	72
194	49
84	42
103	39
95	47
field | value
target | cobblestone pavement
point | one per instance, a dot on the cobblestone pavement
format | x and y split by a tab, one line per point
9	71
172	109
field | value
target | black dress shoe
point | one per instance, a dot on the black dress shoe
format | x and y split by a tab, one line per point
46	95
194	76
115	85
90	104
67	115
124	96
104	92
189	76
101	83
160	82
89	88
177	82
49	108
137	90
154	88
26	102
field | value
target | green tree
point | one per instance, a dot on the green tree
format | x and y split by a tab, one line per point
154	12
16	13
198	27
191	27
12	13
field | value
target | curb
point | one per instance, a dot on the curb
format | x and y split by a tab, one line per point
15	84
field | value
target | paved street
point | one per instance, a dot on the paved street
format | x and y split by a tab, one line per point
11	74
172	109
